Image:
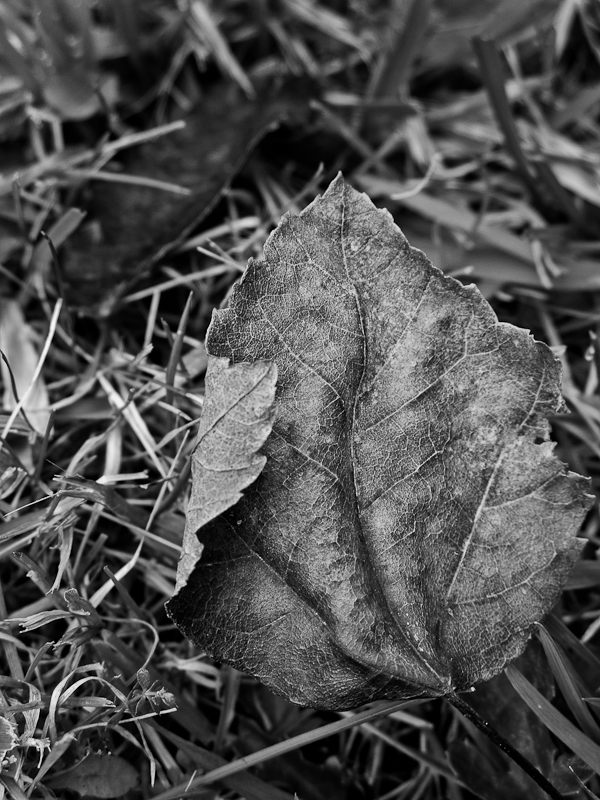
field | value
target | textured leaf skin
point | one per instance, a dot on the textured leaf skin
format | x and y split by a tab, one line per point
408	529
236	419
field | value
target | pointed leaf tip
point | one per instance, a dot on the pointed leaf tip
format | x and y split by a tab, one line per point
408	528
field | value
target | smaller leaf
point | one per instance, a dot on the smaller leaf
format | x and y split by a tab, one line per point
236	419
104	776
139	224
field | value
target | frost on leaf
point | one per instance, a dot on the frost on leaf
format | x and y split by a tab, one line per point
411	524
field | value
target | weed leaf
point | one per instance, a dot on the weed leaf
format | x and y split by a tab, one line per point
411	523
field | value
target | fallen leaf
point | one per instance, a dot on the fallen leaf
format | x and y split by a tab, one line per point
411	523
104	776
138	223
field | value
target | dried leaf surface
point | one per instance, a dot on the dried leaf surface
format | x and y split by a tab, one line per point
236	420
411	523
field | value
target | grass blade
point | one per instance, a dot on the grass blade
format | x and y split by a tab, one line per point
280	749
576	740
491	73
565	675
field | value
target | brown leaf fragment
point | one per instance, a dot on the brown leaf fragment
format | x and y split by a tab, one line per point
411	524
139	224
104	776
236	419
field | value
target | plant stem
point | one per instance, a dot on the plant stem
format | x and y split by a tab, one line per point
499	740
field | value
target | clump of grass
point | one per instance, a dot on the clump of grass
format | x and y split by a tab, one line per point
492	171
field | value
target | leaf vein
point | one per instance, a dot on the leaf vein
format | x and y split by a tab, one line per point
490	483
295	355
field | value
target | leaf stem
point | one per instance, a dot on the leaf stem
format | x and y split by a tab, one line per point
469	712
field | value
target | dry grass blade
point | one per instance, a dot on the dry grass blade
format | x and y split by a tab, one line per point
436	765
325	20
492	69
409	30
247	784
24	399
175	357
281	748
204	26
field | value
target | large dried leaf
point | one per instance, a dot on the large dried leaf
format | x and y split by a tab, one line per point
411	523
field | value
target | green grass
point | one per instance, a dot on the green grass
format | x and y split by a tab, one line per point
489	160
